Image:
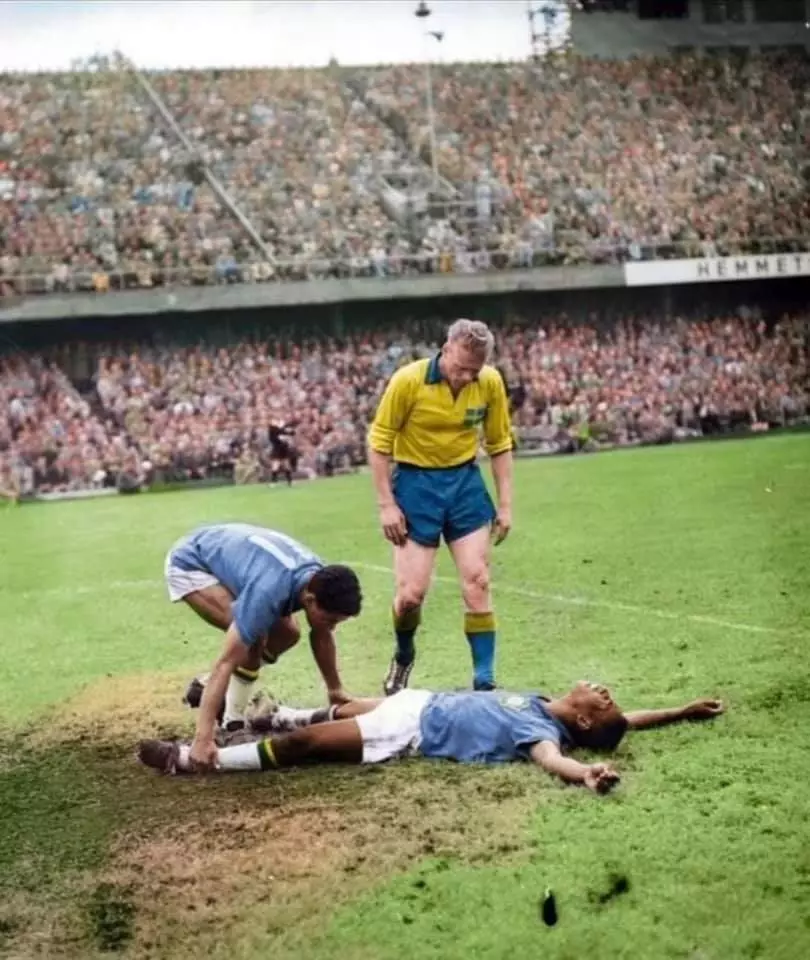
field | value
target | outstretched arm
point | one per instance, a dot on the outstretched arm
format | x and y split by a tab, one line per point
702	709
599	777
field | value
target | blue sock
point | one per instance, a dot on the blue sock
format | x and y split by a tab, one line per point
480	630
405	626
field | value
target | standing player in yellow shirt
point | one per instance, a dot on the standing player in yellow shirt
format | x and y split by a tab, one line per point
428	426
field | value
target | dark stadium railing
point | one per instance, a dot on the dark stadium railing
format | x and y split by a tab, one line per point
568	251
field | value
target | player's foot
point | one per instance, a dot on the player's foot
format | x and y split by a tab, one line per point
194	693
234	733
162	755
483	686
282	719
397	677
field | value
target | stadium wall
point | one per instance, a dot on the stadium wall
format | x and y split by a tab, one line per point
78	337
308	292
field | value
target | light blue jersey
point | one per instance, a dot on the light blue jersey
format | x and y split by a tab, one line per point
263	569
487	727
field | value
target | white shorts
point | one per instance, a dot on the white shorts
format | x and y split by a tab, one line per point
394	728
180	583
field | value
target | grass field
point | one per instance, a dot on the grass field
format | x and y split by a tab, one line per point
666	573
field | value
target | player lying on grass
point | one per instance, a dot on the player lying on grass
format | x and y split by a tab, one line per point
249	581
475	727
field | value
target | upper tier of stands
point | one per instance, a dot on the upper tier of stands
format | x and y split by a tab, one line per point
588	161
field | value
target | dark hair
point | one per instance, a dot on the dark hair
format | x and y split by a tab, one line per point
602	736
337	590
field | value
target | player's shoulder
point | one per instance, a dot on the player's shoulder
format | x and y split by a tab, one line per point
411	373
415	369
490	378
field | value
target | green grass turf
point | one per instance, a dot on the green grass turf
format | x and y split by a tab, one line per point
667	573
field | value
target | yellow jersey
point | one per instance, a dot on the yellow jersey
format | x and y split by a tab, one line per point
420	422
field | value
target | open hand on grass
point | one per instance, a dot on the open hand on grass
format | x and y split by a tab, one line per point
601	777
703	709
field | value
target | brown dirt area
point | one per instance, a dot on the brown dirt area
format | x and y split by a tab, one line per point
193	864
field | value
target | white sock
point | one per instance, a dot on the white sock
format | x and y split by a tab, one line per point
237	697
244	756
296	717
183	762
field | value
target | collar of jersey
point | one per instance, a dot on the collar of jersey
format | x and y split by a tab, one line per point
433	374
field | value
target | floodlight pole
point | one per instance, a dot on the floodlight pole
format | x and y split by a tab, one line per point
549	15
434	160
423	11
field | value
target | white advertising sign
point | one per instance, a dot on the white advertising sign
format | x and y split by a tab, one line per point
702	270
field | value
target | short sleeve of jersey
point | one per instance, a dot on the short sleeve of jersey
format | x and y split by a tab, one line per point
498	423
530	728
259	604
393	409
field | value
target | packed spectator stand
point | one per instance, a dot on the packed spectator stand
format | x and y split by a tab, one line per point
587	161
175	414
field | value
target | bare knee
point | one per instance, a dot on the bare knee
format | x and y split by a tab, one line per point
475	586
282	636
410	596
413	567
253	660
289	633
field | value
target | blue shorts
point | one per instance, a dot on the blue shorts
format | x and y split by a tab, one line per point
449	503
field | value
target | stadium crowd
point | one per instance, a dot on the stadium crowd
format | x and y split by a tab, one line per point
174	414
50	438
592	160
695	154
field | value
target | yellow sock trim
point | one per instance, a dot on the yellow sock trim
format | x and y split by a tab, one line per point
247	676
407	621
267	756
479	622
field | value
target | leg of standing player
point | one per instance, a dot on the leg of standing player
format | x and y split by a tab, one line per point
471	556
414	561
468	535
413	568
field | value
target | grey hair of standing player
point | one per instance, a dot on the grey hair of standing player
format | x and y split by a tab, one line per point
473	334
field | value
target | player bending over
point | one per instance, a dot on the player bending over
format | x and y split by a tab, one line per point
249	581
476	727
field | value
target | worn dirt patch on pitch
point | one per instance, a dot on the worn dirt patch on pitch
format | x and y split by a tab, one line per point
192	884
180	867
267	853
117	710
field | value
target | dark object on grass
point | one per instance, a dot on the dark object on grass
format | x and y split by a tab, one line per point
548	909
619	884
